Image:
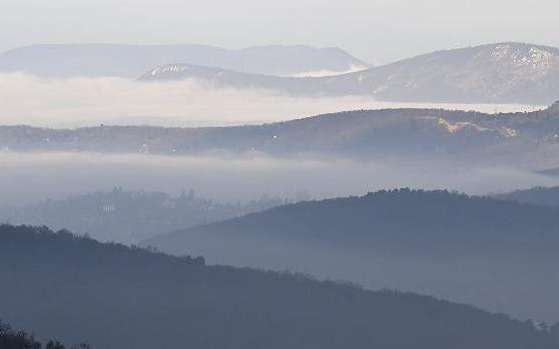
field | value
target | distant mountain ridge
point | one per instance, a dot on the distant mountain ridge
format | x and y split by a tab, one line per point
503	137
494	73
131	61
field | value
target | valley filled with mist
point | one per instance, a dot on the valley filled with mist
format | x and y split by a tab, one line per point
273	194
89	101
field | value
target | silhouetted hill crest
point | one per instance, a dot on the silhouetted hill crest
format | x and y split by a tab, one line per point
65	286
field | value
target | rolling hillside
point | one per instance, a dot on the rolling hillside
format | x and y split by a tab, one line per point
117	297
359	134
496	254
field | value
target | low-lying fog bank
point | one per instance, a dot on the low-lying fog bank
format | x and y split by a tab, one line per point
77	102
27	177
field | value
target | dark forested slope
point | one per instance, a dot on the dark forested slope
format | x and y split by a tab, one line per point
118	297
500	255
403	219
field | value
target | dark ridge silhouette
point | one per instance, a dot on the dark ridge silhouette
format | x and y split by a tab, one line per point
125	297
447	221
496	254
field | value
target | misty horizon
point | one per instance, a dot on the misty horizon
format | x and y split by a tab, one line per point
74	102
243	178
414	28
300	174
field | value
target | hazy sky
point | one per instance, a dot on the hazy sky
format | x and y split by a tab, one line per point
374	30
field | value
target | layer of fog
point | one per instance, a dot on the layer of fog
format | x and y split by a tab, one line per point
322	73
76	102
26	178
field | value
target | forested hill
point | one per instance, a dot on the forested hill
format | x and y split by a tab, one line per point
365	133
119	297
497	255
432	222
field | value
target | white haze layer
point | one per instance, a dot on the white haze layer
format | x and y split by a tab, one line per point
321	73
27	177
76	102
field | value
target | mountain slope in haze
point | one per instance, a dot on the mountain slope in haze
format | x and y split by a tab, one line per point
516	138
131	61
118	297
451	223
552	172
495	73
503	72
496	254
129	216
537	196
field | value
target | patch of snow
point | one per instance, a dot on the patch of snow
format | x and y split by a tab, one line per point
380	89
173	68
534	57
507	132
500	51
